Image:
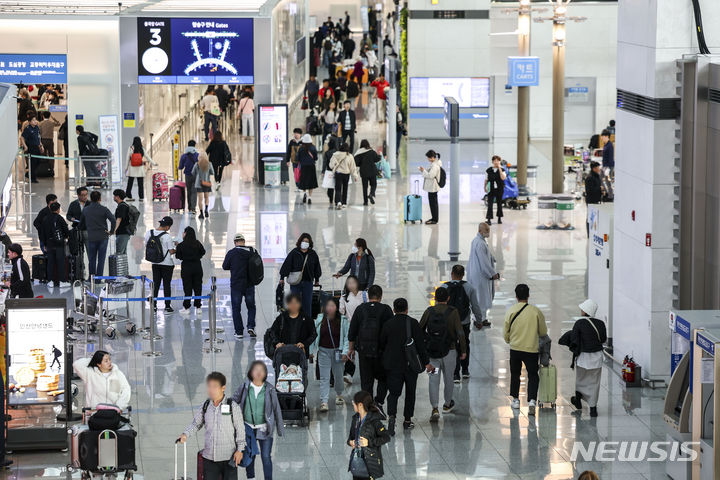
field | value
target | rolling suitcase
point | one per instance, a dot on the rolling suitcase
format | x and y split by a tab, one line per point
177	197
412	205
118	263
609	195
39	268
547	391
160	186
103	451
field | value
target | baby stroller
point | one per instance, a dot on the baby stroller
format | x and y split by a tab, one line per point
290	364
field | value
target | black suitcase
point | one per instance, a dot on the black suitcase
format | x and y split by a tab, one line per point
45	168
88	449
39	268
75	241
77	268
118	265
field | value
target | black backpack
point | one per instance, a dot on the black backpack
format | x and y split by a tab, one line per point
154	248
327	45
107	419
459	298
74	241
58	233
443	178
436	333
369	333
133	217
255	268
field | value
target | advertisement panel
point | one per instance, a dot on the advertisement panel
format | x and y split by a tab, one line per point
273	228
110	141
272	128
430	92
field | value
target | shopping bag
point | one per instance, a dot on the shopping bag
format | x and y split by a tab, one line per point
296	171
328	179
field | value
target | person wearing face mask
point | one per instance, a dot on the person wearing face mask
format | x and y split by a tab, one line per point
481	274
431	184
301	267
495	187
360	263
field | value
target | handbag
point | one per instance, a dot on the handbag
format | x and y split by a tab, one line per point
358	466
296	172
411	353
304	104
205	183
296	277
328	179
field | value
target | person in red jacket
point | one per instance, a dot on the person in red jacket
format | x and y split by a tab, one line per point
380	85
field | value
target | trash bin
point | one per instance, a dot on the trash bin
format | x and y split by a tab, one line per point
564	208
272	171
546	212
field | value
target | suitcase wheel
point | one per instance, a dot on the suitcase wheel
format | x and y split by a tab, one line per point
110	332
92	328
74	389
553	406
131	328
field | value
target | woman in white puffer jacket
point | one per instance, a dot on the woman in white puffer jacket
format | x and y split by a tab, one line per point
104	382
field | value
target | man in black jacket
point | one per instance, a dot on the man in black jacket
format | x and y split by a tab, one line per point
56	233
50	198
20	280
347	125
236	260
364	336
393	338
593	189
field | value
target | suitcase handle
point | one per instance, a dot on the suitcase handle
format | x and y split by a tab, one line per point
417	187
175	476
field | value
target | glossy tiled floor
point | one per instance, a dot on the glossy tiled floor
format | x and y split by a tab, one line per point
483	438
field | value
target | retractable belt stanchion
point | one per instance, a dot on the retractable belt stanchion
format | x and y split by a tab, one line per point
100	329
152	334
212	339
144	328
213	288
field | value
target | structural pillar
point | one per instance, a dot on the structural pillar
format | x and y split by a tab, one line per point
558	115
523	111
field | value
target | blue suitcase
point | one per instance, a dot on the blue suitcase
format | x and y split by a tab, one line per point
412	206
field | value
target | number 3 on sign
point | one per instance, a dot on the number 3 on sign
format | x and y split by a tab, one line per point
155	36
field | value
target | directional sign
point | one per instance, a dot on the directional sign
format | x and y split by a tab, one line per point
523	71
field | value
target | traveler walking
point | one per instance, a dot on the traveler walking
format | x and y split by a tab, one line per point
364	336
464	298
585	342
203	172
187	163
211	112
445	343
431	183
246	109
50	198
343	166
20	282
360	263
524	325
100	223
366	159
302	268
47	133
481	274
63	137
608	155
307	157
236	261
397	333
331	349
331	145
351	298
32	145
190	252
327	98
367	436
159	249
347	125
312	87
224	431
292	149
137	163
495	187
380	85
329	117
352	92
126	218
56	233
219	155
261	410
293	326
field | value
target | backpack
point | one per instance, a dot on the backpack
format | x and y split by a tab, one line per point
154	248
327	45
459	298
132	218
227	156
352	89
136	160
436	333
443	178
255	268
58	233
369	332
293	154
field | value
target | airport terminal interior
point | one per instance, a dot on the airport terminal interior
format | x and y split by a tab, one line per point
563	152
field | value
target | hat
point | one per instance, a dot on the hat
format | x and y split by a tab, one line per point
239	237
15	247
306	139
166	222
589	306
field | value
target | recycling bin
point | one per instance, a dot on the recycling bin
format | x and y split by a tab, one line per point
546	212
564	210
272	166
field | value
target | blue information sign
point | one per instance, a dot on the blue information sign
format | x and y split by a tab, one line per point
523	71
706	344
33	68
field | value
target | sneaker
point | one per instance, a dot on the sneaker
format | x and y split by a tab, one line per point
185	312
372	200
391	425
339	400
465	375
129	199
408	425
324	407
593	412
239	336
338	206
344	206
488	221
304	200
347	379
169	309
456	378
531	407
515	403
499	221
309	201
65	284
251	332
486	323
435	415
449	407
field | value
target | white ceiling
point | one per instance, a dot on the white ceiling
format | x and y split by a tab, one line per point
134	7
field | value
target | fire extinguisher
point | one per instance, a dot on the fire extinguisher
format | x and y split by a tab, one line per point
628	370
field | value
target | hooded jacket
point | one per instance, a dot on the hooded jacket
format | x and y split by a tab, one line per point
112	388
343	162
432	177
366	159
188	160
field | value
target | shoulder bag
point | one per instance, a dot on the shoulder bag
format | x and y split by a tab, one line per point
515	316
594	328
296	277
358	467
411	353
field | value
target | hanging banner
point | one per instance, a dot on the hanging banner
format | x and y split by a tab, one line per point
110	141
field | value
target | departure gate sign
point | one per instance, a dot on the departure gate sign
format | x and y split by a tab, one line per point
195	50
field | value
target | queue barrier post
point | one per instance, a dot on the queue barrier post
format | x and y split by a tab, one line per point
213	288
101	330
212	340
144	328
152	334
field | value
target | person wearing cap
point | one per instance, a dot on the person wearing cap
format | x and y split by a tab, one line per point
585	341
306	157
236	260
162	271
20	282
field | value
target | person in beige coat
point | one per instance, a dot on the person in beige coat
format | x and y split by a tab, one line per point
431	184
342	163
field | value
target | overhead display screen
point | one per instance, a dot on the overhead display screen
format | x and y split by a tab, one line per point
195	50
430	92
33	68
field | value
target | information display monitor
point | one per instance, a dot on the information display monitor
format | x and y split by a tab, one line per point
430	92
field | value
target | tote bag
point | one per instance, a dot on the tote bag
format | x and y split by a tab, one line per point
328	179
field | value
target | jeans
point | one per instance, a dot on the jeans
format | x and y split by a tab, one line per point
218	470
464	364
141	190
191	192
56	264
350	136
326	362
96	251
248	125
517	358
191	274
494	195
371	369
121	242
433	201
305	290
395	382
162	274
265	445
446	365
368	182
341	187
209	120
236	297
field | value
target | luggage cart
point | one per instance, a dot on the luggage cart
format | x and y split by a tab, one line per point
117	289
97	170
